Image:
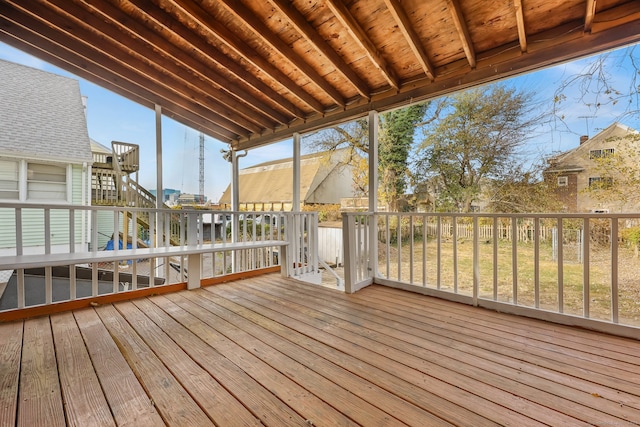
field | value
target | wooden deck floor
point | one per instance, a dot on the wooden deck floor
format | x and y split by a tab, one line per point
275	352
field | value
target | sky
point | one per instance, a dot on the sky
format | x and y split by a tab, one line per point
111	117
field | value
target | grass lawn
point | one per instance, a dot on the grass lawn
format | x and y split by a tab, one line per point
573	275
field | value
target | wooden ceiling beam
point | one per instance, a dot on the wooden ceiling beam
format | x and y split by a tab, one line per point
115	42
298	21
551	48
264	33
174	59
70	38
33	44
220	32
214	57
522	31
401	18
589	15
463	31
355	30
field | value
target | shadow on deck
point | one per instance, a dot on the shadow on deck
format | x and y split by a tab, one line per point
276	352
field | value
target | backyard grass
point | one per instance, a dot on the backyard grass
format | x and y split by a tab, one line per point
599	299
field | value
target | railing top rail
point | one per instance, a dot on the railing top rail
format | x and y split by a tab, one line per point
499	215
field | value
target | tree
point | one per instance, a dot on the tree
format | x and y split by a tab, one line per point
395	142
477	139
616	175
609	82
396	139
521	191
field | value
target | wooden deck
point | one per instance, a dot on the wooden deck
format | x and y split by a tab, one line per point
275	352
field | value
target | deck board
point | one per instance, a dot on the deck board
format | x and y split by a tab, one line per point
85	403
275	352
10	352
127	399
40	398
173	402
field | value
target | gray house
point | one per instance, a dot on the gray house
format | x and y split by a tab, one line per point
45	154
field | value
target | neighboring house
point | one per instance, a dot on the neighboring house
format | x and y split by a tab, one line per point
45	154
325	178
574	171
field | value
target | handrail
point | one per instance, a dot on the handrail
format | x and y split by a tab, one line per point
568	267
64	252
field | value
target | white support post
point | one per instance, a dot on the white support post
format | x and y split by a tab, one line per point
295	206
235	204
193	260
373	193
159	189
350	261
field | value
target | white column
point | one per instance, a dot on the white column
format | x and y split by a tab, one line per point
159	189
373	192
373	161
295	207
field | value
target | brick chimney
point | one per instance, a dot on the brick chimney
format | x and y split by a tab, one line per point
583	139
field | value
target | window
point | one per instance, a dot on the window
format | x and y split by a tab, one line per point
600	182
606	152
563	181
46	182
9	180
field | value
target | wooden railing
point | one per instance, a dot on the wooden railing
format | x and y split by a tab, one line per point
52	251
571	268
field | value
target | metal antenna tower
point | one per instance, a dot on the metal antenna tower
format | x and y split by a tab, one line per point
201	167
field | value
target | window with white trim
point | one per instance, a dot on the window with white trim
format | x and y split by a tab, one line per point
563	181
9	180
46	182
605	152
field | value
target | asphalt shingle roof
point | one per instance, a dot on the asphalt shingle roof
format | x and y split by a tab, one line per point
41	116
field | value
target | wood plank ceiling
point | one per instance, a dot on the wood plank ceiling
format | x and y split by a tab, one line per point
253	72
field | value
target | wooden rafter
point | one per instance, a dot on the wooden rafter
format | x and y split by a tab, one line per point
303	27
174	60
215	58
463	31
522	32
589	15
206	21
351	25
263	33
410	35
70	34
85	22
24	39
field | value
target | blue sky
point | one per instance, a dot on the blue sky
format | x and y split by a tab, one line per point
111	117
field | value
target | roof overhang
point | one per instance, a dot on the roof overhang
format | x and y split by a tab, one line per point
250	73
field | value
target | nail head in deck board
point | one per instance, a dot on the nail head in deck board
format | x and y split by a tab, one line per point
252	394
301	400
10	351
217	402
127	399
85	403
360	387
173	403
40	400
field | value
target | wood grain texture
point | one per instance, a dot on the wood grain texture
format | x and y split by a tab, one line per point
172	401
276	352
127	399
10	353
85	403
40	399
217	402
